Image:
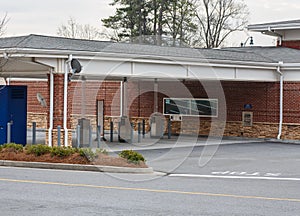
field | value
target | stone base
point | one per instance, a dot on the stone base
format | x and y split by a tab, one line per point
236	129
107	120
55	138
204	127
40	119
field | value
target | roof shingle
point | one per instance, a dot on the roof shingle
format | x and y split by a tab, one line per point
245	54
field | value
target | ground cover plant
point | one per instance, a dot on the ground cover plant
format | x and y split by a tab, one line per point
44	153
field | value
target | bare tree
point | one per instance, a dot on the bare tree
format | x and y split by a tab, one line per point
218	19
75	30
3	23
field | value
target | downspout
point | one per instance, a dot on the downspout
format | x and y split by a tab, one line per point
121	99
155	95
280	101
124	97
66	81
51	111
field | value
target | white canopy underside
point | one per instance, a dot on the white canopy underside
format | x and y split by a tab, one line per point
14	67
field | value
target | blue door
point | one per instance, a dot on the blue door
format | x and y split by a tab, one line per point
17	114
13	108
3	113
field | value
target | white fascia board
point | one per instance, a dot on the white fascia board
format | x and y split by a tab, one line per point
63	54
266	27
290	66
292	75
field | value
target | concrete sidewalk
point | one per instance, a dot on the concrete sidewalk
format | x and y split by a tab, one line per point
148	143
174	142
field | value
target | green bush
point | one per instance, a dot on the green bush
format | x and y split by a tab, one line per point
87	153
13	146
101	151
132	156
38	150
62	151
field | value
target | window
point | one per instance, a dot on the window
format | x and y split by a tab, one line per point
191	107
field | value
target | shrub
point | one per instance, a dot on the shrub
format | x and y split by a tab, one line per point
13	146
132	156
101	151
62	151
87	153
38	150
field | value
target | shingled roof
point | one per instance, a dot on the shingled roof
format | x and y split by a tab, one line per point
251	54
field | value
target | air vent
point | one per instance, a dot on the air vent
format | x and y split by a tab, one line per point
17	94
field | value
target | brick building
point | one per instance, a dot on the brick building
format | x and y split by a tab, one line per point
255	89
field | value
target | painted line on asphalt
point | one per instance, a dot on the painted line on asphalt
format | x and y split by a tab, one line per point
235	177
151	190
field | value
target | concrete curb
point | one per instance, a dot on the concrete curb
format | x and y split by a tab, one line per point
294	142
77	167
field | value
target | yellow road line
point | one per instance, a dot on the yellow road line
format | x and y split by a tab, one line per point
150	190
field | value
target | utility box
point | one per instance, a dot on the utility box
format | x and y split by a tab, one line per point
84	132
157	123
125	130
13	110
247	119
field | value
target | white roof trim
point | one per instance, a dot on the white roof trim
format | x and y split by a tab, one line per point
287	25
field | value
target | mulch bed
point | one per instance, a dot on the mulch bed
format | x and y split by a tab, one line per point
102	159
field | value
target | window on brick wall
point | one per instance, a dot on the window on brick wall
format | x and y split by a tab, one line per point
191	107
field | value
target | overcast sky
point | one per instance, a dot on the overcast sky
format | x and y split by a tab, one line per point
45	16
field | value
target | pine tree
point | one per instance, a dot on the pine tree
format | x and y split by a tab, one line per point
152	21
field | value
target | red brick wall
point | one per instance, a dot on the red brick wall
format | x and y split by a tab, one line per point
291	44
90	92
263	96
291	102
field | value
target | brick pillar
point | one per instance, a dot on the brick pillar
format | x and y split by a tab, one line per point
58	114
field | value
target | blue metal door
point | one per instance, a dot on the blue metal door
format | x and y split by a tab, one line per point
17	114
13	109
3	113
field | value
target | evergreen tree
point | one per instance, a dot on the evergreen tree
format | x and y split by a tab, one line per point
130	19
161	22
202	23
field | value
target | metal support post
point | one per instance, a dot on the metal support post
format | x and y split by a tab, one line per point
139	132
111	131
90	136
78	136
131	134
144	128
98	136
8	135
119	134
169	129
58	135
33	133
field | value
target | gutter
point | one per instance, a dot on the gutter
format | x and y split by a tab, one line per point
51	108
280	100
